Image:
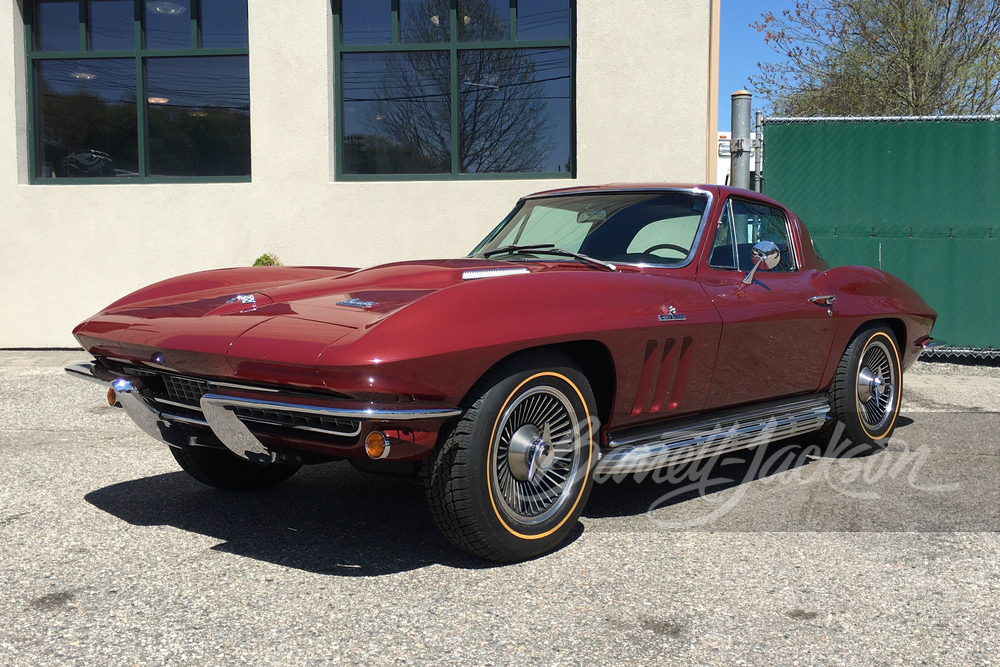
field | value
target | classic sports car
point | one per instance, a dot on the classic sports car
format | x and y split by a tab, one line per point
597	330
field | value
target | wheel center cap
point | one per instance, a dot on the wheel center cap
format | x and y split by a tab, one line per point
542	456
869	385
531	453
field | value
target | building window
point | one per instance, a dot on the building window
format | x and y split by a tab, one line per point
138	90
454	88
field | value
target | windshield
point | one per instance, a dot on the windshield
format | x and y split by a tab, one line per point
633	227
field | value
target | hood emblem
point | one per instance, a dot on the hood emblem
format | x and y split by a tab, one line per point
669	314
358	303
244	299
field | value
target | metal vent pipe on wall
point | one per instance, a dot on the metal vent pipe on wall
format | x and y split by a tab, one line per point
740	144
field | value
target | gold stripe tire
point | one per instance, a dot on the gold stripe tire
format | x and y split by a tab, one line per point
495	486
866	392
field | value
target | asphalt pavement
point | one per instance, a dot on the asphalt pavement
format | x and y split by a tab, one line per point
110	555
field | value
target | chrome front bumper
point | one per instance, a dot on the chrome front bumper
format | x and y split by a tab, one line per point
221	405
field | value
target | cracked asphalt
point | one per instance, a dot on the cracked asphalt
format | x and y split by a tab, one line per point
113	556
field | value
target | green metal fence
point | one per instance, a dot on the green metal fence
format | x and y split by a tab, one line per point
919	196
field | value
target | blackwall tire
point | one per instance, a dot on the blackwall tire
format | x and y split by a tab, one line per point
866	393
513	474
224	470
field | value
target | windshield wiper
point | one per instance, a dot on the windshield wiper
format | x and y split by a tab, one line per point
514	249
587	259
550	249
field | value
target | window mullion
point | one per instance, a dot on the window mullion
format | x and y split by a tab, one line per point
140	110
195	19
513	20
83	25
338	98
137	24
455	152
140	93
33	138
395	22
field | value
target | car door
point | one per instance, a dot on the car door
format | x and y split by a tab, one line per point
776	334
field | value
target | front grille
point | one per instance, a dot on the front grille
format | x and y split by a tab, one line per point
334	425
174	388
185	390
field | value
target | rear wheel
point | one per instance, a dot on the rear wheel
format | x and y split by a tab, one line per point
224	470
867	389
514	472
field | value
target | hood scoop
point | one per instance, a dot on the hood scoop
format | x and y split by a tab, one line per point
476	274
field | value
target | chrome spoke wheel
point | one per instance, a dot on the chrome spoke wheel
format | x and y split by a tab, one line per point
536	455
877	385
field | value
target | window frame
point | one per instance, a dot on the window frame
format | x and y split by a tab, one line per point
139	53
727	206
452	47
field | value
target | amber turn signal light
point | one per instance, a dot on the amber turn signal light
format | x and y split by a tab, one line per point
377	445
112	397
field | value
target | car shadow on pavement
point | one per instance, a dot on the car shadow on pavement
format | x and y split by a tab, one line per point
631	495
328	519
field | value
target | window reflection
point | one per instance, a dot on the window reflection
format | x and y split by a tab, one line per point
543	19
366	22
57	26
483	20
198	112
515	110
112	25
168	24
424	21
223	24
87	118
397	113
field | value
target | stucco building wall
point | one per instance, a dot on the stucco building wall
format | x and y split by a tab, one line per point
645	109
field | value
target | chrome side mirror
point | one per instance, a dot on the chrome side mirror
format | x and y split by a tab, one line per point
764	253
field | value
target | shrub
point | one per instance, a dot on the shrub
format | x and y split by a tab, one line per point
267	259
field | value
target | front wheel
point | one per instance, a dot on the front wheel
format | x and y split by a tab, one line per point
867	389
513	474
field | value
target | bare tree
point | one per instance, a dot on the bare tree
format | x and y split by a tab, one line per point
883	57
502	122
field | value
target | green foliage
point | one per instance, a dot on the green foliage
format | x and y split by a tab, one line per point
882	58
267	259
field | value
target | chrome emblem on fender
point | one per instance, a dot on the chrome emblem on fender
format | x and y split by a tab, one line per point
244	299
358	303
669	314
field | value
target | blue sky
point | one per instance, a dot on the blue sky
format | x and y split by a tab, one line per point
741	48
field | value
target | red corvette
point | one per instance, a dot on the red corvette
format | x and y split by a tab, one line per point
607	329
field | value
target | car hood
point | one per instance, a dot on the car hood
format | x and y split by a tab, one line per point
213	326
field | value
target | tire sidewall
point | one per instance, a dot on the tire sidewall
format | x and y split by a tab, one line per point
514	540
849	402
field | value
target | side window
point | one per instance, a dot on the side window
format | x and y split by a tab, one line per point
753	223
723	248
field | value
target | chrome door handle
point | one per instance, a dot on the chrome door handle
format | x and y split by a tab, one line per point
826	300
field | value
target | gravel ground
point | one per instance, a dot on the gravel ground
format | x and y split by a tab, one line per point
112	556
990	369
